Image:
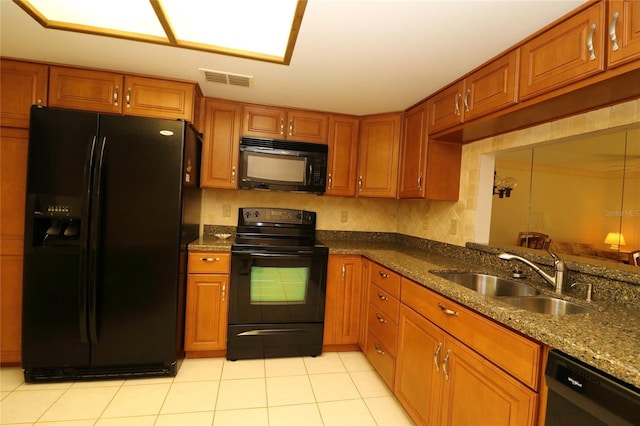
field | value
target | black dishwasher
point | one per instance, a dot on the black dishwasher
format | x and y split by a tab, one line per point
582	395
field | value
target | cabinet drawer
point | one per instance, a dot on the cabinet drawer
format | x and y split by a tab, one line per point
513	352
384	302
386	280
209	263
381	359
385	330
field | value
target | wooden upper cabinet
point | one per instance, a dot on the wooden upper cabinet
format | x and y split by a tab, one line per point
413	153
88	90
378	153
445	107
442	179
109	92
22	84
278	123
152	97
564	54
221	144
492	87
623	45
343	155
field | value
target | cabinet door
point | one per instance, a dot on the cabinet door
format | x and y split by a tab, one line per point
307	126
364	298
442	181
413	153
342	306
343	155
378	156
22	84
87	90
419	375
13	165
151	97
263	122
624	32
206	315
221	145
493	87
568	52
445	108
476	389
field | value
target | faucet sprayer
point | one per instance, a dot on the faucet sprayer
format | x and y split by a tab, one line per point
557	280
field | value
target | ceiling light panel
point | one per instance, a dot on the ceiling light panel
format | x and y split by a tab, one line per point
257	29
249	25
133	16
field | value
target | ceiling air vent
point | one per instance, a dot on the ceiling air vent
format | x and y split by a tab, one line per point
227	78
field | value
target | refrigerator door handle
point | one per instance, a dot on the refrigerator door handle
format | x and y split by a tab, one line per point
94	242
84	242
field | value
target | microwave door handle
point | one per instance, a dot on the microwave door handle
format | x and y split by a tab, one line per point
310	178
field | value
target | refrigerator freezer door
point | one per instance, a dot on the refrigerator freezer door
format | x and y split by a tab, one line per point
135	300
53	318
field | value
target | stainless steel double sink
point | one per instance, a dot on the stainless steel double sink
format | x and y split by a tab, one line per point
519	295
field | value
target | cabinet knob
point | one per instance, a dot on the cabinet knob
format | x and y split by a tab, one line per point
466	100
380	319
435	356
210	259
382	297
115	95
233	174
456	104
383	275
282	127
444	364
378	350
128	97
290	127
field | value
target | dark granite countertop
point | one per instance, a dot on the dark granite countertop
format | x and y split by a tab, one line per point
608	339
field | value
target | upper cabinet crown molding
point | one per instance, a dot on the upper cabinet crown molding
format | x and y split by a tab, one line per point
279	123
104	91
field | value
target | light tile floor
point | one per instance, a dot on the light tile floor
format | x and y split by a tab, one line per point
332	389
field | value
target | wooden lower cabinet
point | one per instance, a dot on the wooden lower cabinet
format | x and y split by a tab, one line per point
342	305
207	304
442	381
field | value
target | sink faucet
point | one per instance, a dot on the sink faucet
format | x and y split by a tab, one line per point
559	275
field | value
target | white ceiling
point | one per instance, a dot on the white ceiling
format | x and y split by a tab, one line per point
352	56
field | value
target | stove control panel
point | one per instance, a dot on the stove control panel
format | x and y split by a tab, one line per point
272	216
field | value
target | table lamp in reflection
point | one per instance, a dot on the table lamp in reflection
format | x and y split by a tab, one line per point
615	240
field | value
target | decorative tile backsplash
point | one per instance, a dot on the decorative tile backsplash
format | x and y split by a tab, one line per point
445	221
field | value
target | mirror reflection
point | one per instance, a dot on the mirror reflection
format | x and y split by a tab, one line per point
578	196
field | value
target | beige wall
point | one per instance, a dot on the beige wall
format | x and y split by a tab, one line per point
452	222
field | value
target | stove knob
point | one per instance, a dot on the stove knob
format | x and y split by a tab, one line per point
247	215
257	214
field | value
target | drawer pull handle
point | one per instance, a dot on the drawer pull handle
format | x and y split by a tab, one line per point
382	297
380	351
456	105
115	95
209	259
435	357
380	319
444	364
592	51
612	32
466	100
383	275
447	310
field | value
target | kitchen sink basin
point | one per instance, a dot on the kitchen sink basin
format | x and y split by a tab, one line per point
547	305
488	285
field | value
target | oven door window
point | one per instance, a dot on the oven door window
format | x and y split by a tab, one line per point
277	288
279	285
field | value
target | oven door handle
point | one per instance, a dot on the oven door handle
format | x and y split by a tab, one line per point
275	254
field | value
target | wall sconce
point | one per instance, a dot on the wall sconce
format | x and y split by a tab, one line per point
503	187
615	240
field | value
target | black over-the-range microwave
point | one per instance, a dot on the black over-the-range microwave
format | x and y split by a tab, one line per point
279	165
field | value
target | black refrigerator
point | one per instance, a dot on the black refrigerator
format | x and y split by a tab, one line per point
112	202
